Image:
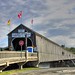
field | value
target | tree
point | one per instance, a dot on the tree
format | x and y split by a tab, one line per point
63	46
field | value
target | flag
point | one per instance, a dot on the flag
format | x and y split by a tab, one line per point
8	22
20	14
32	21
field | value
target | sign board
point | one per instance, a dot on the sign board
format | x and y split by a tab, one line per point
21	30
28	34
30	49
21	42
21	34
18	34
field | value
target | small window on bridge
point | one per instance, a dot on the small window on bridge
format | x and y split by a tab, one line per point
69	54
63	53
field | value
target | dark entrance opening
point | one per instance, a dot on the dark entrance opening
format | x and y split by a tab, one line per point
16	45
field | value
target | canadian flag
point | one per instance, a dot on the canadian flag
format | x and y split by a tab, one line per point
20	14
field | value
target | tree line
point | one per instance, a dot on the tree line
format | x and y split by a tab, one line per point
71	49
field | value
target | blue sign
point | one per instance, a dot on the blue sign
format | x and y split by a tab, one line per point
30	49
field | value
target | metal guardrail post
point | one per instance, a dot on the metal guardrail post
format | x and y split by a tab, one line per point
73	62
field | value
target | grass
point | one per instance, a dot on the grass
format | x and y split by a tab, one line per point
17	71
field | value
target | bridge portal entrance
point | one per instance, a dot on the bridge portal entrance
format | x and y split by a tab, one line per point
16	45
20	33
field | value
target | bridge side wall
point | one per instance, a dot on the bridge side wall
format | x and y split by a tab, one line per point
50	51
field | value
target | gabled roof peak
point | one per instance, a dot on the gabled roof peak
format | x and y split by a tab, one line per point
21	25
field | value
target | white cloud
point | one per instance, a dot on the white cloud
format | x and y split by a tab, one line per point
47	15
64	40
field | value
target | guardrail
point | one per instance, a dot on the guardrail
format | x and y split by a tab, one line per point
32	54
16	57
11	57
10	54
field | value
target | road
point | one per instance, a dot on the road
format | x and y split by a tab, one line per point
51	71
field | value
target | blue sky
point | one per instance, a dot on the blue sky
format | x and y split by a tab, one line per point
54	19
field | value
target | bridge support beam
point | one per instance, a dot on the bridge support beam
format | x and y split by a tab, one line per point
21	65
4	66
73	62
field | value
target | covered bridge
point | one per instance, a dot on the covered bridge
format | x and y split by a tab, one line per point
48	51
35	49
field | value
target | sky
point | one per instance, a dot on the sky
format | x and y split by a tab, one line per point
54	19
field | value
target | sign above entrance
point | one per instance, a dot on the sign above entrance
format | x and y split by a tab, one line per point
21	34
21	42
21	30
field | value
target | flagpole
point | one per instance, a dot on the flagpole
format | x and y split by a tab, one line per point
9	25
32	21
21	16
21	20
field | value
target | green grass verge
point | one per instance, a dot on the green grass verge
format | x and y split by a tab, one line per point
17	71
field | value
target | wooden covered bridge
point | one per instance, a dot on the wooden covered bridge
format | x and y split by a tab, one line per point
25	45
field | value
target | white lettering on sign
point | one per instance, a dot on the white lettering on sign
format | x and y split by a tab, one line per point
21	30
20	34
28	34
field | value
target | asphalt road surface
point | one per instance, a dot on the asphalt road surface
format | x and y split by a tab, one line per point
51	71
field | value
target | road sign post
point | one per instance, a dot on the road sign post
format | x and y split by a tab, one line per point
21	43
